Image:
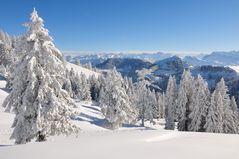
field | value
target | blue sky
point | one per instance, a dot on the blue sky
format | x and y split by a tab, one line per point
184	26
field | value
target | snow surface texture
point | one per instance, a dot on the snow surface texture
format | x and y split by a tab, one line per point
6	119
129	142
80	69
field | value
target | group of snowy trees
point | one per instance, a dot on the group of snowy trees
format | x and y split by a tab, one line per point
123	101
194	108
77	85
82	88
190	104
6	46
115	102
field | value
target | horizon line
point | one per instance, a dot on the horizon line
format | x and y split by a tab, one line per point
179	53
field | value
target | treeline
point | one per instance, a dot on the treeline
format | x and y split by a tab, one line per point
195	108
189	106
121	100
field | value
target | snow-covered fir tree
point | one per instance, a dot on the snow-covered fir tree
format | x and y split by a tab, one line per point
170	103
222	117
6	52
199	105
7	40
84	88
75	81
67	84
94	87
143	103
128	84
152	104
18	53
42	107
156	106
214	118
233	104
130	91
234	108
211	116
184	100
160	105
79	84
115	102
101	80
229	122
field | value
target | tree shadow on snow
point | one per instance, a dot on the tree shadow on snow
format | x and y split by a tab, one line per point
102	122
5	145
6	90
92	108
91	119
137	126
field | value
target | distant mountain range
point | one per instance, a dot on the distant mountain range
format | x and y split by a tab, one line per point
215	58
96	59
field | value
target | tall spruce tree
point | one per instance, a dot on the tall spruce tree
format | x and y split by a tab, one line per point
42	107
214	116
143	103
115	102
170	103
234	108
184	100
199	105
233	104
84	88
229	124
94	88
160	105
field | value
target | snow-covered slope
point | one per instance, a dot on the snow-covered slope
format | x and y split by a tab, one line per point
170	66
223	58
236	68
6	119
152	144
80	69
90	117
194	61
230	58
131	141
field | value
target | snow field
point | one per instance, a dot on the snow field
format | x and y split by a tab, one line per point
80	69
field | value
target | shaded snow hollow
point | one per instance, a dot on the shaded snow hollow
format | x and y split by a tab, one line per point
131	141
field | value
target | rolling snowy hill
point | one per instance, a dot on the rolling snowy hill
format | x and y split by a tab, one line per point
80	69
131	141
